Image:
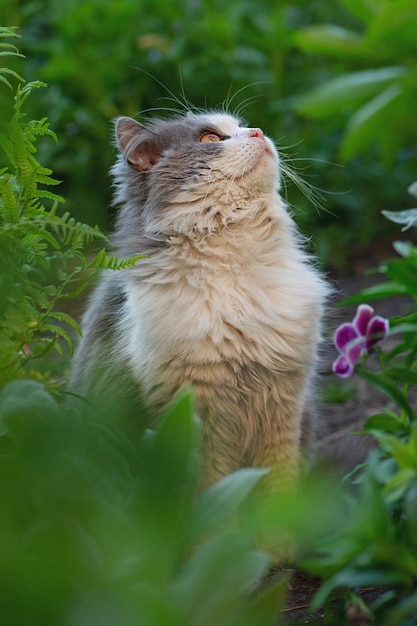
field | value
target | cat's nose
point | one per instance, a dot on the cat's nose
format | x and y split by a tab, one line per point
256	132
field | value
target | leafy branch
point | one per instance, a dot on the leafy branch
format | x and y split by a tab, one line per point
8	49
42	258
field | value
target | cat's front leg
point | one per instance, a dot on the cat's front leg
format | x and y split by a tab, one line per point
278	450
221	451
278	447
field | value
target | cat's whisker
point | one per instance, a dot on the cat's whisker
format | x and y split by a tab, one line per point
290	173
212	181
231	181
184	104
228	102
244	104
161	109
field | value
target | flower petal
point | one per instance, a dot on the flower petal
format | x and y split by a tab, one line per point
355	349
377	329
344	335
342	367
362	318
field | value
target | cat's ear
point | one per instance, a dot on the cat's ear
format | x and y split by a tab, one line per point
137	143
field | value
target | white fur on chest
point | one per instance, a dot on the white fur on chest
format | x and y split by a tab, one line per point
245	295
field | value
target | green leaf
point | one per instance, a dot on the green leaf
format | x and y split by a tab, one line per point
407	217
401	329
329	98
66	319
403	325
329	39
364	10
404	272
180	412
102	261
172	453
24	398
402	451
412	189
403	374
350	578
395	27
377	292
399	484
364	126
405	249
402	610
381	381
223	498
264	606
214	580
5	70
387	421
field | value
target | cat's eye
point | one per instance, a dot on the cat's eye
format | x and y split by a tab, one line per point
209	137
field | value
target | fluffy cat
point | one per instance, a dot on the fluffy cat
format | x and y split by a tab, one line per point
226	300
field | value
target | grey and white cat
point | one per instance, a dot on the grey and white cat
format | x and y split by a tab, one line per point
226	300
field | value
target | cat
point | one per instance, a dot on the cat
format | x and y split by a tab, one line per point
225	300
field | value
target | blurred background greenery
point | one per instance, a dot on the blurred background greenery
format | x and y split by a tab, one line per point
356	141
98	520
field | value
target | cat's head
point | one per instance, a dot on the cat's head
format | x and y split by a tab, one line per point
195	168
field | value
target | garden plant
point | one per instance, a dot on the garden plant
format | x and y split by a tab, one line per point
101	520
377	547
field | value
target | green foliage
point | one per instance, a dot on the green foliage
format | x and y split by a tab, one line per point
378	545
99	527
407	217
105	59
9	50
42	261
378	102
140	58
102	523
35	242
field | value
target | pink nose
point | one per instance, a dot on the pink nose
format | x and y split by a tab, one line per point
256	132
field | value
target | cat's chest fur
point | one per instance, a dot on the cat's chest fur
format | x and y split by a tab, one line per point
241	295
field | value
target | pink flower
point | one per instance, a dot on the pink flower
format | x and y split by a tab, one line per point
356	338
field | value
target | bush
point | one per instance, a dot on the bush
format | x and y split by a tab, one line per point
377	103
42	260
99	528
378	545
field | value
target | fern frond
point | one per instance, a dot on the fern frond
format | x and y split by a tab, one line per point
102	261
9	32
44	178
44	193
36	243
8	49
39	128
68	229
22	93
77	290
66	319
5	70
58	332
8	146
9	205
38	297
